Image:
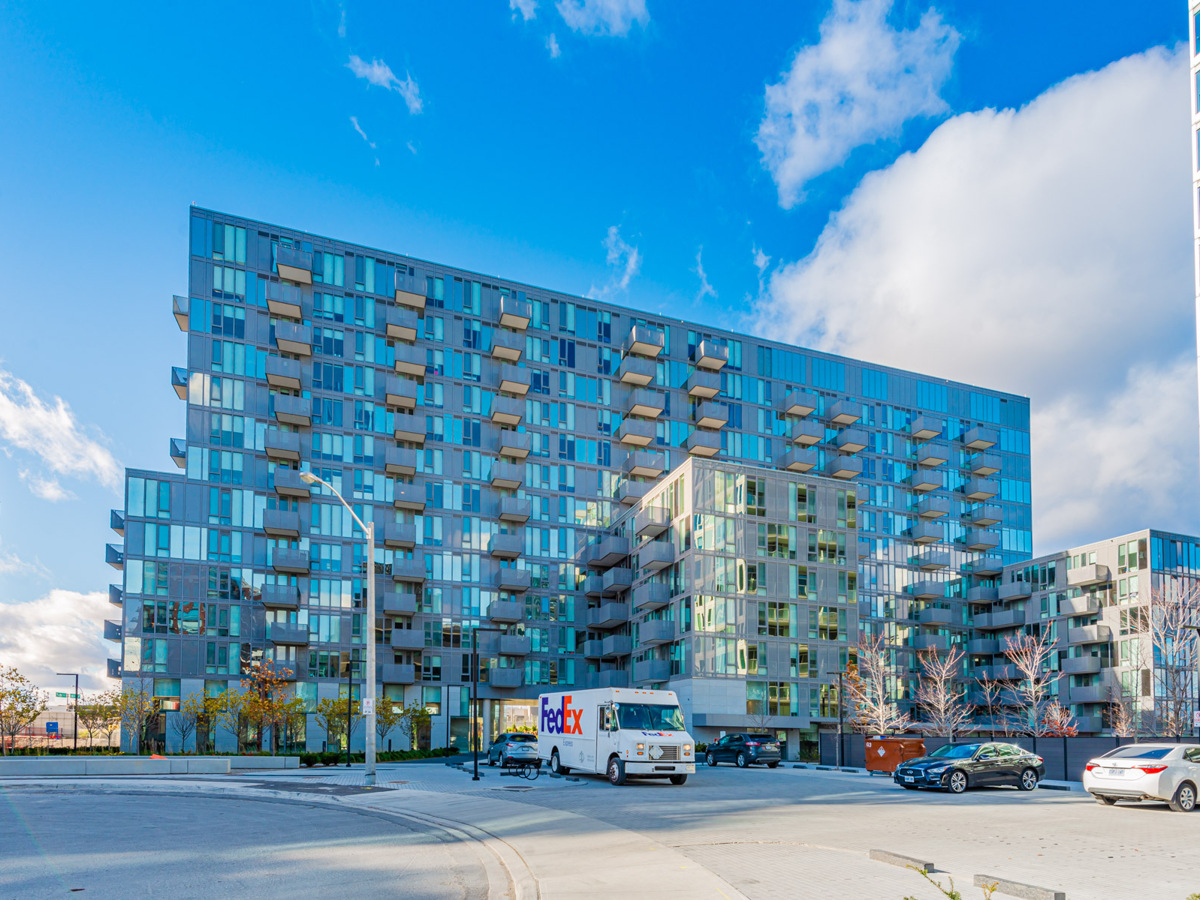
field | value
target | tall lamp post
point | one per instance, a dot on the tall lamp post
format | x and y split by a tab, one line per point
74	707
475	692
368	529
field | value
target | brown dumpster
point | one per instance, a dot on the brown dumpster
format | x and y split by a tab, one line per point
884	754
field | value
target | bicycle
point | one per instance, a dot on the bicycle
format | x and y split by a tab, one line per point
528	770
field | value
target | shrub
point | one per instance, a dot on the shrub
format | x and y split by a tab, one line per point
329	758
309	759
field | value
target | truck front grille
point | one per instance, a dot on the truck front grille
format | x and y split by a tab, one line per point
664	752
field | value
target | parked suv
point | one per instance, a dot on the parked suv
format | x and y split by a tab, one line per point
744	749
956	767
514	746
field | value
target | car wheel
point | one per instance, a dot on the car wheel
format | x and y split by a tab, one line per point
556	765
616	771
678	779
1107	801
503	761
1029	780
491	762
742	761
772	765
709	759
1185	798
957	782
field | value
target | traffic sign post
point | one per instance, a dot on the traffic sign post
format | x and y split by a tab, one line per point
52	728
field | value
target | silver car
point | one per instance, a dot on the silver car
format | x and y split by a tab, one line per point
1166	772
513	746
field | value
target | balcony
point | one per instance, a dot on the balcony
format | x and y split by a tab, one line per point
806	432
410	360
844	467
703	384
116	521
593	649
402	461
845	412
654	632
515	444
800	459
281	523
400	393
983	647
402	324
294	264
292	337
651	670
409	299
1081	665
409	429
116	596
984	515
112	631
612	678
395	603
398	673
507	476
1092	693
285	300
409	497
592	586
514	380
616	645
398	535
644	464
925	428
284	374
924	480
507	346
515	313
926	532
654	556
291	410
179	381
710	414
799	403
933	507
851	440
407	639
506	677
652	522
980	438
513	645
933	454
711	355
114	556
616	581
179	453
1014	590
981	488
610	615
289	560
998	621
983	593
280	596
507	411
939	643
1079	606
409	570
513	580
179	309
1083	576
645	402
284	445
985	464
978	539
636	432
506	612
114	668
999	672
703	443
928	590
506	546
515	509
932	560
631	492
988	566
650	596
644	341
287	633
1090	634
636	370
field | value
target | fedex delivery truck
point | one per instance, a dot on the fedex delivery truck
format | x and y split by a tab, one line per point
619	732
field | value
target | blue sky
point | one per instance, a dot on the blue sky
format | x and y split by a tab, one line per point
530	146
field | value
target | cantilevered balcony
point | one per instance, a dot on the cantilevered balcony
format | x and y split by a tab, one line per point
933	560
506	677
410	360
926	531
513	580
925	428
294	264
631	492
513	380
612	678
616	645
851	440
981	488
515	444
844	412
592	586
644	464
515	509
284	300
287	633
507	345
607	552
179	453
116	521
983	646
935	615
987	566
703	443
923	480
400	393
513	645
932	454
407	639
651	595
409	299
292	337
984	515
395	603
1083	605
983	593
112	631
409	570
844	467
179	381
980	438
593	649
179	309
506	612
799	459
656	631
937	642
292	410
1083	576
655	556
1014	590
507	411
397	535
636	432
978	539
1091	693
985	464
609	615
636	370
651	522
806	432
515	313
403	324
616	581
799	403
280	596
281	523
645	402
284	445
1081	665
402	461
289	560
711	355
507	476
505	546
928	590
651	670
410	497
397	673
284	374
710	414
703	384
116	596
409	428
932	507
644	341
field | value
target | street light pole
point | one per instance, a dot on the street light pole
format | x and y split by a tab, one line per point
368	529
74	709
475	694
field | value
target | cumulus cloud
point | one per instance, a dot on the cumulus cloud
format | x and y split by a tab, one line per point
59	632
706	289
48	431
380	74
1044	251
860	83
527	9
603	17
552	46
623	259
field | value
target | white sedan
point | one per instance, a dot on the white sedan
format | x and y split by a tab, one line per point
1166	772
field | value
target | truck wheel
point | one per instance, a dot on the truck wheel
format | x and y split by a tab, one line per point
678	779
616	771
556	765
741	761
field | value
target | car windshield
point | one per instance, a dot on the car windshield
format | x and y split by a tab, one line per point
1136	752
955	751
522	738
648	717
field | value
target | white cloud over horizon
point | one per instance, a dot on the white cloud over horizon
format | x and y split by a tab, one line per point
623	259
613	18
61	631
380	74
527	9
858	84
1044	251
706	289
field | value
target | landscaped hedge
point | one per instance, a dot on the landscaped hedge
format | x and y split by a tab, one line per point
333	758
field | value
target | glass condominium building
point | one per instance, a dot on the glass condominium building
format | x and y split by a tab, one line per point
493	431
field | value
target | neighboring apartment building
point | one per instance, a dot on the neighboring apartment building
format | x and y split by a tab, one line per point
491	430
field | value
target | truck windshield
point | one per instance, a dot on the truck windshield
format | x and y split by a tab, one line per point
647	717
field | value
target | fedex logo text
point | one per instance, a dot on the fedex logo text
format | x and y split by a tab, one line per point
563	720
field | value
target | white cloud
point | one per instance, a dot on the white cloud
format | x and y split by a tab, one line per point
412	148
527	9
625	261
59	632
859	84
603	17
1044	251
380	74
552	46
706	289
45	488
362	134
49	431
341	29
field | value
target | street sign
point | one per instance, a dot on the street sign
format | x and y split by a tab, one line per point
51	728
368	706
1196	719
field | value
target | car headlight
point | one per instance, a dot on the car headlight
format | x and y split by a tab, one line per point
938	771
687	749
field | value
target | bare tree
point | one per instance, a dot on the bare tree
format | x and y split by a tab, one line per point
939	695
1031	655
1170	620
1122	715
1057	721
869	686
990	692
